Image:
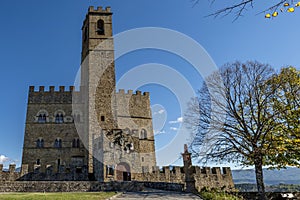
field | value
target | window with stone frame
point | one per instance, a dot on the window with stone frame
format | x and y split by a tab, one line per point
59	118
42	116
143	134
58	143
110	170
76	143
102	118
100	27
40	143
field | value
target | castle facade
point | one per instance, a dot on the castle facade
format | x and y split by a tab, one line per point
96	132
95	135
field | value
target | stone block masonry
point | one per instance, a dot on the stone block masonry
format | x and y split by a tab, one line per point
169	178
10	175
204	177
69	186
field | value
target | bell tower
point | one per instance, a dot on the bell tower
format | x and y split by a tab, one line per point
97	75
97	27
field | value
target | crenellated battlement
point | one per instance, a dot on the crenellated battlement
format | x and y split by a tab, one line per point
43	172
214	177
133	104
10	175
130	93
11	169
99	9
51	89
197	170
51	94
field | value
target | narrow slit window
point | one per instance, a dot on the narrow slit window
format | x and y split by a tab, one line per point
59	118
102	118
143	134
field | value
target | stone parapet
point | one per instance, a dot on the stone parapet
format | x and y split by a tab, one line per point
52	95
204	177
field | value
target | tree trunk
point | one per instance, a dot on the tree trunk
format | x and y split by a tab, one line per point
259	177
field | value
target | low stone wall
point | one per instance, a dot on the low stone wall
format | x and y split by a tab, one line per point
164	186
214	177
68	186
84	186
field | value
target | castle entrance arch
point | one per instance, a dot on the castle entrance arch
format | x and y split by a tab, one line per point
123	172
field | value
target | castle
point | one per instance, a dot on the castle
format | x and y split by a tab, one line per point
94	133
76	131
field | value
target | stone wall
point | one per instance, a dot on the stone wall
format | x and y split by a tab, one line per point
68	186
204	177
165	186
84	186
10	175
213	177
48	175
41	150
168	177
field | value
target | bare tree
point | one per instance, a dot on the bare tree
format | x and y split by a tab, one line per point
232	118
239	7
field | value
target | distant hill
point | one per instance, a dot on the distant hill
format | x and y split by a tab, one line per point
289	175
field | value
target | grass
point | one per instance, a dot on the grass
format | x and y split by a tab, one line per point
57	196
218	196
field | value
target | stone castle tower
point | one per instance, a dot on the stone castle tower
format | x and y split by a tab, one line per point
96	132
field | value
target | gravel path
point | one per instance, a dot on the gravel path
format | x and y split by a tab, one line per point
156	194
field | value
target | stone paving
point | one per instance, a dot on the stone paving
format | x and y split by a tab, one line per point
156	194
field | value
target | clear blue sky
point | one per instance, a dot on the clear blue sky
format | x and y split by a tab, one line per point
40	44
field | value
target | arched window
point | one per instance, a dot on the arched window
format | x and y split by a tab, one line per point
59	118
40	143
42	116
100	27
143	134
76	143
58	143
